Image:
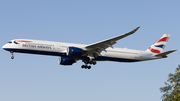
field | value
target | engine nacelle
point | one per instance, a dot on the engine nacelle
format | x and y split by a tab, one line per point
74	51
66	61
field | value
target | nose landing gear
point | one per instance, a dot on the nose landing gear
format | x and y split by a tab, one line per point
12	57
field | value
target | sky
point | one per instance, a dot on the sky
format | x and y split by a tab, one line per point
40	78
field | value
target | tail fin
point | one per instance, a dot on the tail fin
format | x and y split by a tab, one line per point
159	45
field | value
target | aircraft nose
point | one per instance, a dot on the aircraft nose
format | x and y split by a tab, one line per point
3	47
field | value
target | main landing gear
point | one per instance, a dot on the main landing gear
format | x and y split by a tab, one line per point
86	64
12	57
86	67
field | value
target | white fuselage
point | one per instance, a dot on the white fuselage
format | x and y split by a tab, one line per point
60	49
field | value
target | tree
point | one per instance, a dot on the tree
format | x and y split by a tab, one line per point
172	89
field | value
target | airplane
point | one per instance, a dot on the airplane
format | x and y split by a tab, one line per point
69	53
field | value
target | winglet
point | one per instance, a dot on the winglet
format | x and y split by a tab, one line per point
133	31
137	28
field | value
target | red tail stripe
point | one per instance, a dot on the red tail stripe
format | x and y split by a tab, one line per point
163	39
154	50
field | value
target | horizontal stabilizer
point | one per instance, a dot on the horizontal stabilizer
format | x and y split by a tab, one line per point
165	53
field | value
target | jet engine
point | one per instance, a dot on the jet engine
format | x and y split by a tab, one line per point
66	61
74	51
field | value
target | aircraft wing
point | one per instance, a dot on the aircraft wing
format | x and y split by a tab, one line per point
96	48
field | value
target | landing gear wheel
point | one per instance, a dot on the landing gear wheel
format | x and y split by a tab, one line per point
82	66
86	66
94	62
12	57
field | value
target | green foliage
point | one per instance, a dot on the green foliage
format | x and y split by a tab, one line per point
172	89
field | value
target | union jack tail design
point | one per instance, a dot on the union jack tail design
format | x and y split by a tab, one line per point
159	45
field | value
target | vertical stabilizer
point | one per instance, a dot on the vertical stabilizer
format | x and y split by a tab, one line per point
159	45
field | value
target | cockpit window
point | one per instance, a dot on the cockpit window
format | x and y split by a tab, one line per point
10	42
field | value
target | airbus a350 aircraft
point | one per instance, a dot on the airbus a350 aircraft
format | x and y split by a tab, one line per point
69	53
